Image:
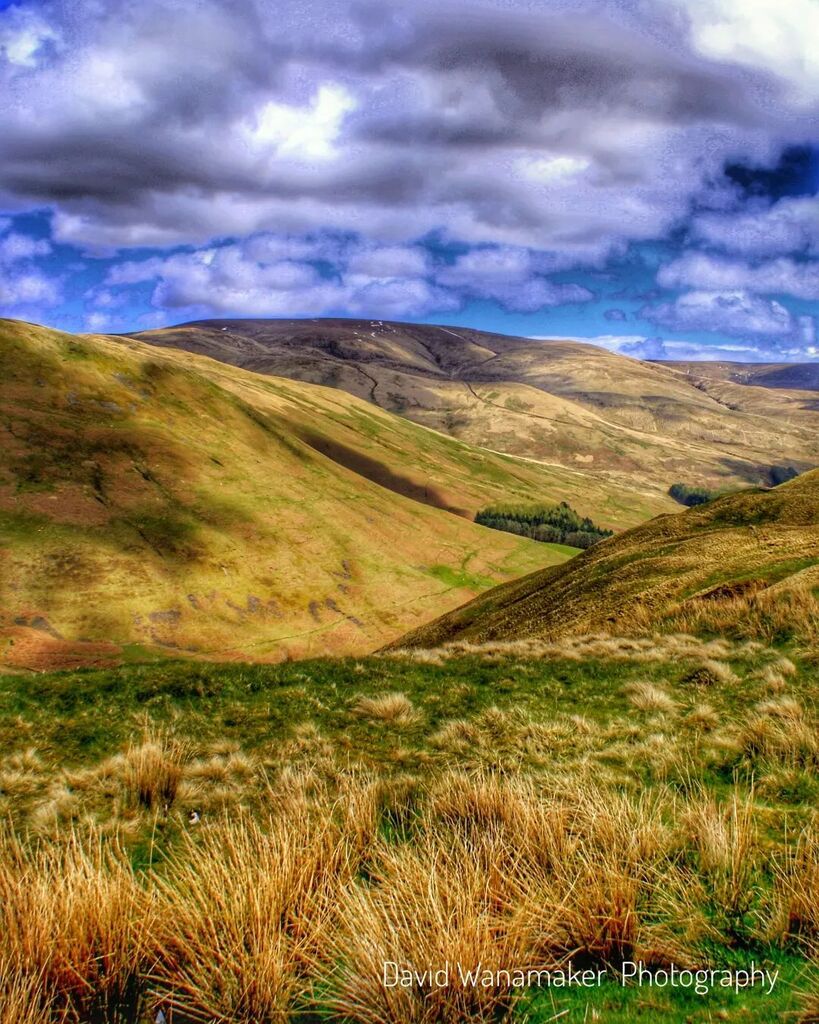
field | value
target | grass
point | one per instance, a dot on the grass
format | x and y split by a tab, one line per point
390	708
617	1003
291	912
648	423
584	804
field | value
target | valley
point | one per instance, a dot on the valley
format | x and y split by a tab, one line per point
275	710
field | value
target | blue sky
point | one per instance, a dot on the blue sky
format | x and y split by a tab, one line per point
642	173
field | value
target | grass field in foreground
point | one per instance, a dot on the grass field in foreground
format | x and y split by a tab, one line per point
587	803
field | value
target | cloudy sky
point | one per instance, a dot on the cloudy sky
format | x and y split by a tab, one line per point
639	172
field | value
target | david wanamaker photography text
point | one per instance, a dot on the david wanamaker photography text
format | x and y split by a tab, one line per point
632	972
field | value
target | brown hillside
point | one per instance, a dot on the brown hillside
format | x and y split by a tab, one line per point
605	416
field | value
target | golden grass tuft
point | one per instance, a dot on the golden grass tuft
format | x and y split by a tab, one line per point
153	771
73	916
703	717
438	901
392	708
645	696
242	914
797	891
778	731
21	996
294	908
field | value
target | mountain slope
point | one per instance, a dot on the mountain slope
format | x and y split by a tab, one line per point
746	564
604	415
791	376
156	499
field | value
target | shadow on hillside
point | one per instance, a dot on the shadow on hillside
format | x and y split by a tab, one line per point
378	473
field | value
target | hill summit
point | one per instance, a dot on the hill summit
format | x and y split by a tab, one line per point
620	421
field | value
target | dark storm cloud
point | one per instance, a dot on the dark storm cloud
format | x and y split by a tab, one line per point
450	116
532	137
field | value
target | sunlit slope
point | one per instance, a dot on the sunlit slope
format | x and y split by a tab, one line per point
606	416
155	499
747	564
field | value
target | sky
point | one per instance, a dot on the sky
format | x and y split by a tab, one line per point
639	173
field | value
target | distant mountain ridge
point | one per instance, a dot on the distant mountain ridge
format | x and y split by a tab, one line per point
791	376
634	424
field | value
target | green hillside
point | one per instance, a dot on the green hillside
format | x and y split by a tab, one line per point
746	564
155	501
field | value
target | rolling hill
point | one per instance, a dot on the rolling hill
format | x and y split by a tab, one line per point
151	500
790	376
744	565
605	416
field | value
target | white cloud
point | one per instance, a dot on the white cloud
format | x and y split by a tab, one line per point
28	288
99	322
15	247
731	312
509	276
253	278
790	226
24	287
302	132
250	279
635	345
807	331
389	261
772	34
23	34
782	276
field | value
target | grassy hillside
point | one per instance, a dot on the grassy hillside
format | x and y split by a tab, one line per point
596	803
746	564
155	501
608	417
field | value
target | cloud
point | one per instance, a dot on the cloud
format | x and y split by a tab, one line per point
99	322
635	345
756	350
23	37
270	276
16	246
782	276
508	275
306	157
389	261
24	287
732	312
790	226
496	123
27	288
255	278
762	34
644	348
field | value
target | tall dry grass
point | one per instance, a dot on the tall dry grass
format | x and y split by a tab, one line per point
797	890
252	918
153	771
243	914
390	708
75	927
781	612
